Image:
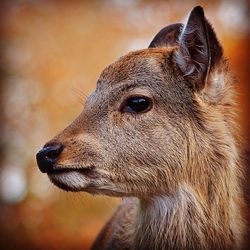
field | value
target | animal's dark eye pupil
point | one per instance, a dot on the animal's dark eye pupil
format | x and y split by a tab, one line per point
137	104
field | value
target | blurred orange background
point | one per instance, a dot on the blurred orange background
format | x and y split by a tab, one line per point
51	55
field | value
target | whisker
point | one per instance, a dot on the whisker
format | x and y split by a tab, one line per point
79	94
108	203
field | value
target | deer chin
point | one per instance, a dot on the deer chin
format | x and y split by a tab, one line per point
87	179
71	178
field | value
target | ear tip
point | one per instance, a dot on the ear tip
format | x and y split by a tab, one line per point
198	10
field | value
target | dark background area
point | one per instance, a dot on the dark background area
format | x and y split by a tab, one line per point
51	54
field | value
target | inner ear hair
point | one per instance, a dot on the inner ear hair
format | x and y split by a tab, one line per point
199	49
193	55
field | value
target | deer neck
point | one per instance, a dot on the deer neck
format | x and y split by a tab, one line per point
183	221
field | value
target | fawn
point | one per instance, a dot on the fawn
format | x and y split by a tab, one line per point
160	131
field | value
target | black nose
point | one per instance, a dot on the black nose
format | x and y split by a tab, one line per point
48	156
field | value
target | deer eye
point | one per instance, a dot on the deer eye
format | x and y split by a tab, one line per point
137	104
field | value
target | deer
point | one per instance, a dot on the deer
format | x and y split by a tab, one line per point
160	131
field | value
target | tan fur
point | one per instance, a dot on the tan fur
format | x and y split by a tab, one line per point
177	165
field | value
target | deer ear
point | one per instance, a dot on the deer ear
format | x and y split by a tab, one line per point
199	49
167	36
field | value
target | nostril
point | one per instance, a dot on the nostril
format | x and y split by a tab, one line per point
52	151
52	154
48	156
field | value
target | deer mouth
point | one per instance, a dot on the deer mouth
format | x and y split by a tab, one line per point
72	179
63	170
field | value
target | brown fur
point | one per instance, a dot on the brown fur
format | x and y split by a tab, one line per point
177	164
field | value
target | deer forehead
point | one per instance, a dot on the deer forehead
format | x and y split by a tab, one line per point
136	65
